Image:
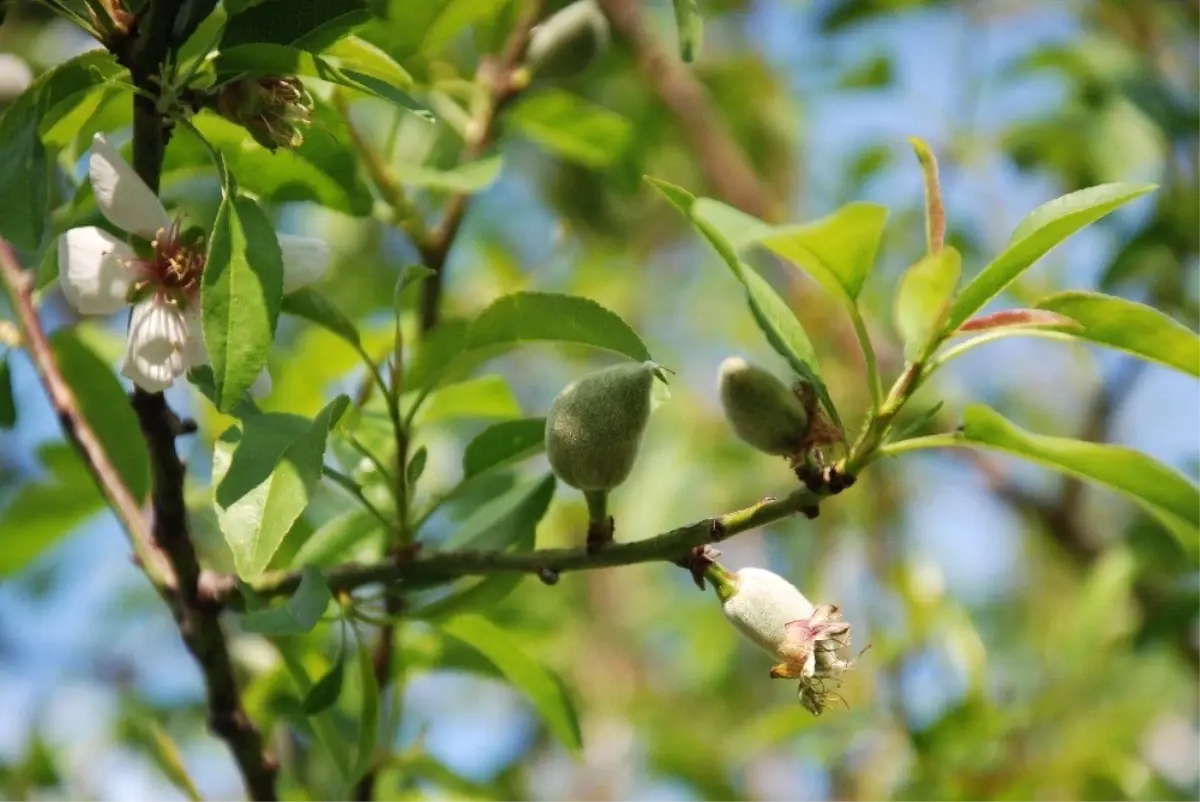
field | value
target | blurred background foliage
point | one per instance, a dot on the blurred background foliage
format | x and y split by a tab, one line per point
1030	638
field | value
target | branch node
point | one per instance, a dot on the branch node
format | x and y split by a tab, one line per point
811	511
548	576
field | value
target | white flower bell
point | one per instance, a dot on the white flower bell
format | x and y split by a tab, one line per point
98	272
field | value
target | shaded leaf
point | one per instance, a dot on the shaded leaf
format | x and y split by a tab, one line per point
538	684
923	296
502	444
571	127
1128	326
337	539
480	595
105	406
416	465
464	179
1043	229
509	520
297	615
313	306
241	293
325	692
310	24
265	470
690	25
368	716
8	405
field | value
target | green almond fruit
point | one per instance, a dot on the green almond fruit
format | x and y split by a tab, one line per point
761	409
595	425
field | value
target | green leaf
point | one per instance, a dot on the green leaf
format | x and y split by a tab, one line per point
416	466
323	724
481	595
44	511
530	316
25	179
1163	492
775	319
368	716
323	170
1128	326
453	18
503	444
838	250
242	289
265	471
105	406
296	616
150	735
465	179
538	684
277	59
1044	228
336	540
364	58
924	295
690	25
572	128
310	24
8	405
325	692
509	520
484	397
311	305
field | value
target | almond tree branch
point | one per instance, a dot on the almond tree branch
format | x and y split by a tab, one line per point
671	546
705	132
145	53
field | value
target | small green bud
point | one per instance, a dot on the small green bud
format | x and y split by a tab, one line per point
569	41
275	110
761	409
595	425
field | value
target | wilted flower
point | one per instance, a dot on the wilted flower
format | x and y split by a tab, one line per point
275	110
160	277
777	618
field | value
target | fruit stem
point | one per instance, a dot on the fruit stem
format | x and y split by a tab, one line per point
600	524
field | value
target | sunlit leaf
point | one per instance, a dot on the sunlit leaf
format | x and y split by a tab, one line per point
487	397
690	25
463	179
241	294
1128	326
339	539
925	290
540	686
534	316
571	127
265	471
508	520
1043	229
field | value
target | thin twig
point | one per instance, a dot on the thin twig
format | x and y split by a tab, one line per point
726	166
668	547
62	398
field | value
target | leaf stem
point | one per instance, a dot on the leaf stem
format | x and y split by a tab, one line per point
352	487
918	444
874	380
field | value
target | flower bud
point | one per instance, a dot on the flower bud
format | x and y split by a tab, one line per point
569	41
761	409
774	615
595	425
275	110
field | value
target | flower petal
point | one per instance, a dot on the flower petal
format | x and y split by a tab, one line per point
93	270
261	387
158	336
121	194
305	260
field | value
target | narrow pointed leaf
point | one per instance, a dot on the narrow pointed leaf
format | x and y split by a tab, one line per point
532	316
922	298
368	716
690	25
311	305
1017	319
509	520
325	691
8	405
1163	492
540	686
1037	235
1128	326
241	295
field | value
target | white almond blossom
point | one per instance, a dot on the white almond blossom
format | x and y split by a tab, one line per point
100	273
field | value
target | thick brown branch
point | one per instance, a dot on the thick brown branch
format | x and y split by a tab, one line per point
706	133
668	547
199	623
